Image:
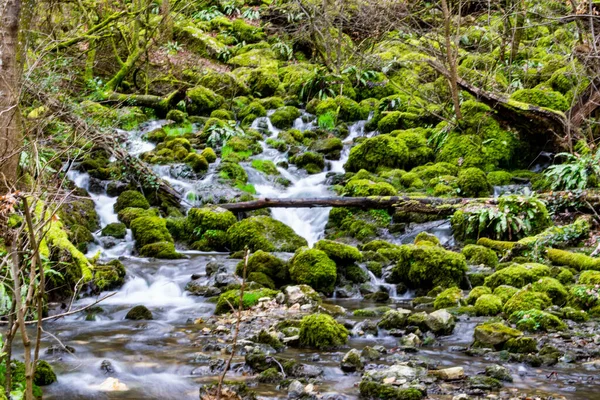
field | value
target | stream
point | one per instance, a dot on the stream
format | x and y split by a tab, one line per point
168	357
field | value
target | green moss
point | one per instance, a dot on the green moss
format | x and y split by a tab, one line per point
283	118
79	211
342	254
265	166
312	162
498	245
202	101
209	155
342	108
526	299
374	390
212	240
131	198
80	236
589	278
116	230
200	220
494	333
365	188
542	98
423	237
419	152
109	276
480	255
147	230
250	299
314	268
264	233
521	345
574	260
428	266
232	171
488	305
477	292
44	374
196	162
472	182
499	178
162	250
127	215
516	275
448	298
267	264
584	296
329	147
536	320
139	313
553	288
505	292
575	315
379	151
321	331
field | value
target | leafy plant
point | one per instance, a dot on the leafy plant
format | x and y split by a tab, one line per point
438	137
220	134
327	120
577	172
251	14
320	84
230	8
173	47
208	14
225	54
360	77
283	50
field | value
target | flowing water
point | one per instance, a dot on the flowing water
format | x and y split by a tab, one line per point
166	358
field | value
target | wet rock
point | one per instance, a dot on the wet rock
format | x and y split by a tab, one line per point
307	371
115	188
370	354
484	383
195	288
378	297
400	373
411	340
196	276
347	292
271	375
107	367
495	333
212	267
394	319
59	349
139	313
450	374
498	372
295	390
440	322
352	362
223	279
112	385
366	327
301	294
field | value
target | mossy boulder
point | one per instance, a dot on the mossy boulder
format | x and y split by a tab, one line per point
378	151
521	345
329	147
267	264
376	390
109	276
344	109
139	313
321	331
517	275
499	178
342	254
488	305
476	293
201	220
202	101
127	215
209	155
284	117
589	278
162	250
250	299
365	188
536	320
526	299
394	319
314	268
553	288
116	230
505	292
196	162
480	255
448	298
147	230
473	182
264	233
312	162
542	98
131	198
494	334
44	374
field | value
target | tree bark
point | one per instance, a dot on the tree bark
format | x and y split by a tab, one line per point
451	59
10	80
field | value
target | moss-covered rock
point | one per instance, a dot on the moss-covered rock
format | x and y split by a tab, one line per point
488	305
536	320
472	182
505	292
209	155
499	178
480	255
162	250
44	374
494	334
375	390
283	118
131	198
365	188
267	264
476	293
517	275
553	288
127	215
578	261
147	230
448	298
589	278
263	233
314	268
139	313
542	98
343	108
200	220
196	162
321	331
202	101
526	299
378	151
233	172
342	254
521	345
109	276
250	299
312	162
116	230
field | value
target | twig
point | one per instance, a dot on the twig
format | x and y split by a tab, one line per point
237	326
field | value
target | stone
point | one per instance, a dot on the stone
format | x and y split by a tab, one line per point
440	322
400	372
411	340
498	372
450	374
351	361
295	390
300	294
112	385
495	333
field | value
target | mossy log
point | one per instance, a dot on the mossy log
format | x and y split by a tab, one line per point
161	105
443	206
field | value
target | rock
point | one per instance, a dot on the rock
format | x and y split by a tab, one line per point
59	349
400	372
495	333
440	322
139	313
346	292
498	372
195	288
411	340
295	390
394	319
212	267
450	374
300	294
352	362
378	297
484	383
461	396
223	279
106	367
112	385
369	354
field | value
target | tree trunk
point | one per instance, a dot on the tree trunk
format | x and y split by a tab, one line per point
451	59
518	31
10	79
